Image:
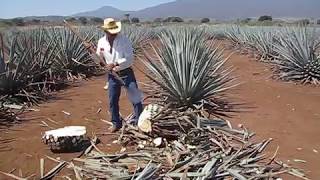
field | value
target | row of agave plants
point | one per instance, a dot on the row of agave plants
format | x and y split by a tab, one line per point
38	61
294	51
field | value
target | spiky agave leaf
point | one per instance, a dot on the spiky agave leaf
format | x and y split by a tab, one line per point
90	33
139	38
299	57
71	56
215	31
235	35
187	70
262	41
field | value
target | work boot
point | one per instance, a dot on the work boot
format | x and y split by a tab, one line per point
133	122
106	86
114	129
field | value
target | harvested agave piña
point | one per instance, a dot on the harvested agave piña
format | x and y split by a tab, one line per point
150	111
65	139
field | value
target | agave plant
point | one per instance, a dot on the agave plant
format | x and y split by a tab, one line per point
139	38
188	72
28	67
262	42
234	34
90	33
71	56
215	31
299	57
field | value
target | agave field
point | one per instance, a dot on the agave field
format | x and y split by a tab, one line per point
189	80
36	62
294	52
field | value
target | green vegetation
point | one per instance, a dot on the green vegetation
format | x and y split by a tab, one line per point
97	20
18	22
39	61
140	37
158	20
135	20
173	19
299	56
71	19
27	72
36	61
303	22
294	51
205	20
265	18
188	72
83	20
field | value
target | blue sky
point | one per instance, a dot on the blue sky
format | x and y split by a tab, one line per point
17	8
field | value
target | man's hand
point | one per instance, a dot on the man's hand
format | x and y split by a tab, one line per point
110	67
88	46
116	69
102	64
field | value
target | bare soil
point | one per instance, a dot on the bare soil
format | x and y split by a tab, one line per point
286	112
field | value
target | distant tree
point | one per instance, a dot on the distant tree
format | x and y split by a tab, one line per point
35	21
173	19
304	22
18	21
205	20
125	21
158	20
8	22
127	16
145	22
318	21
83	20
97	20
265	18
71	19
135	20
246	20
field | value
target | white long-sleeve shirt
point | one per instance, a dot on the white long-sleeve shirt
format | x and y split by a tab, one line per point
122	51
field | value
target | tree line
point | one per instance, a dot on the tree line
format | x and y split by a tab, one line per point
135	20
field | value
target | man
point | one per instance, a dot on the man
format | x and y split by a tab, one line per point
117	51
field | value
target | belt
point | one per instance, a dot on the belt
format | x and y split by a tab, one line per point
125	72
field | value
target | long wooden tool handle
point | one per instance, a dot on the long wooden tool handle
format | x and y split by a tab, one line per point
94	53
74	31
2	47
80	37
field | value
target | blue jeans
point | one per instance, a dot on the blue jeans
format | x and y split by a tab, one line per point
114	95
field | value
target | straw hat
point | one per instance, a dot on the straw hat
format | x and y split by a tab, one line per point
112	26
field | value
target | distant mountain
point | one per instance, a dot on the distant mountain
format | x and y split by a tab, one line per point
230	9
218	9
105	11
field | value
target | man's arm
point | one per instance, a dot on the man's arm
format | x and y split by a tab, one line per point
99	53
127	60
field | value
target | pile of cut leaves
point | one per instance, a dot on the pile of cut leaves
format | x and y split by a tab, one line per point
212	149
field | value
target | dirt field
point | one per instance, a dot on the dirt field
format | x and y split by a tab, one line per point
286	112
